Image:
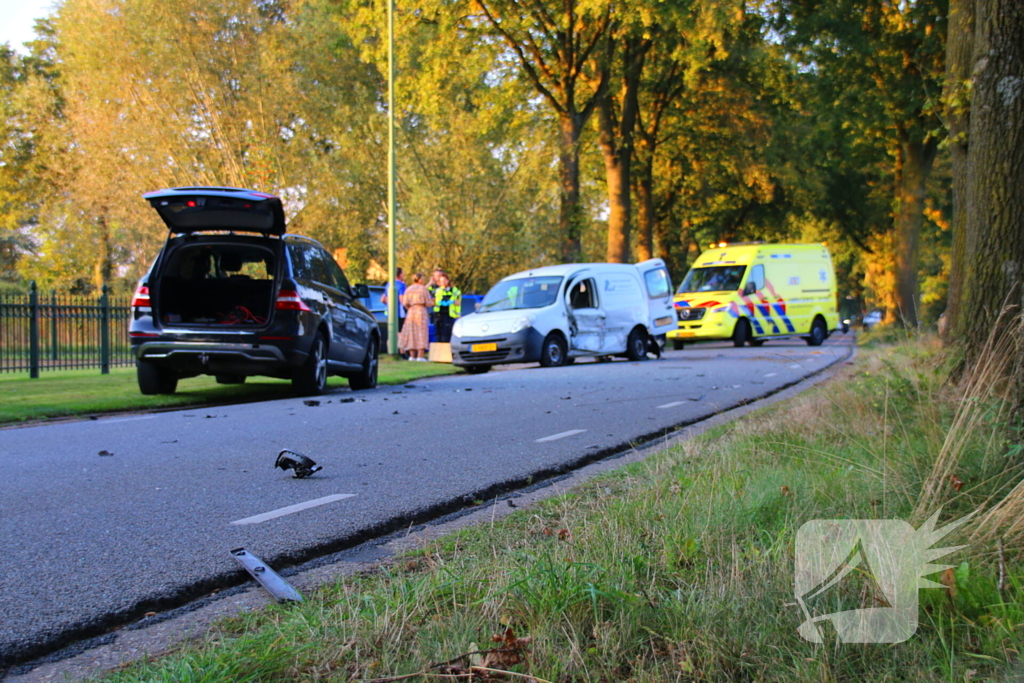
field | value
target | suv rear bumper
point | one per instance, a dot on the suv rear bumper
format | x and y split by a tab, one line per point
214	358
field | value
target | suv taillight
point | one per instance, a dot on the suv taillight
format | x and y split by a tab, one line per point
141	298
289	300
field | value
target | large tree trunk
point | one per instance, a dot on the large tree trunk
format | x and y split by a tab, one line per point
616	169
570	217
959	53
911	185
993	266
645	215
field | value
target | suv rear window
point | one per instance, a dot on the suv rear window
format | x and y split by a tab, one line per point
220	261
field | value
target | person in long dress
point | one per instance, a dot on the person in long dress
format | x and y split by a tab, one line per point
415	335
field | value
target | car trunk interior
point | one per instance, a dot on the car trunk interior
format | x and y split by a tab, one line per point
217	285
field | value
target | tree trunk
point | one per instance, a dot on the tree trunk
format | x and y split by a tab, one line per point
645	215
911	181
993	267
616	169
959	52
570	217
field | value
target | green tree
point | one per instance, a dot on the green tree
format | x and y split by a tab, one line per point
883	65
563	51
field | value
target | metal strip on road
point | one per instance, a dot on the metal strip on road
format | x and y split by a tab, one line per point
298	507
133	418
561	435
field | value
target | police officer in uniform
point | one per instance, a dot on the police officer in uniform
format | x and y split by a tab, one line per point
447	308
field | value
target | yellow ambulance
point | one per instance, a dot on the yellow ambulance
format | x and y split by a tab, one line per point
750	293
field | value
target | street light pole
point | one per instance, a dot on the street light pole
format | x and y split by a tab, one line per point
392	266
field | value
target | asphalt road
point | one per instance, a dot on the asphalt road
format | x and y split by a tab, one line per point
104	520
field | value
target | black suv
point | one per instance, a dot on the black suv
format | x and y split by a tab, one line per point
231	295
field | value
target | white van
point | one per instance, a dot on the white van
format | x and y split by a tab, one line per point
558	313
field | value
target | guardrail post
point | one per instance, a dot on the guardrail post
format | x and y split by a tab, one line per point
104	332
33	331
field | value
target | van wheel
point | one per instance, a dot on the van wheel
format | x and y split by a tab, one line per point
818	333
154	379
677	345
636	344
477	369
311	378
741	333
367	377
553	352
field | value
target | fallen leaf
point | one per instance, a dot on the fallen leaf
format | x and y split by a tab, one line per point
512	651
948	579
955	482
563	534
786	493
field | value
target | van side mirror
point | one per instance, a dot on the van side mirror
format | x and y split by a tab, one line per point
751	288
361	291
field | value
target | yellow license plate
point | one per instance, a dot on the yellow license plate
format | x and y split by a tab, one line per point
480	348
687	334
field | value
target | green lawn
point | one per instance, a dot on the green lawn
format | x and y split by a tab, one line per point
87	392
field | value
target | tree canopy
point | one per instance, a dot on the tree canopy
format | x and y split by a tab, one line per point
529	133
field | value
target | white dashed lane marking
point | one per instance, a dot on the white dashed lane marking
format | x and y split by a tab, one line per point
298	507
673	404
561	435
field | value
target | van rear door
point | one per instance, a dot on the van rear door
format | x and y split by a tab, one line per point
661	317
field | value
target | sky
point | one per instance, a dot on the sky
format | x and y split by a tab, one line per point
17	18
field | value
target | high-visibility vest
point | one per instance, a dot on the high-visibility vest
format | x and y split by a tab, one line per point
455	296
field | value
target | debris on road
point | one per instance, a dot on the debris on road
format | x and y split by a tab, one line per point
266	577
300	465
311	403
104	453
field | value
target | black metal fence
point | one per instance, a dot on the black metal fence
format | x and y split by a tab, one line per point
60	332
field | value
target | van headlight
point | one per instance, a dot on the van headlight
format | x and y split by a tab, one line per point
523	323
457	327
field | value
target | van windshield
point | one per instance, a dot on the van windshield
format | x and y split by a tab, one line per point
714	279
530	292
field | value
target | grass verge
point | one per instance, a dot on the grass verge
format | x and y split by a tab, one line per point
86	392
680	568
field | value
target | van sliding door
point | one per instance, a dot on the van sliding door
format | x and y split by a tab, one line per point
587	321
